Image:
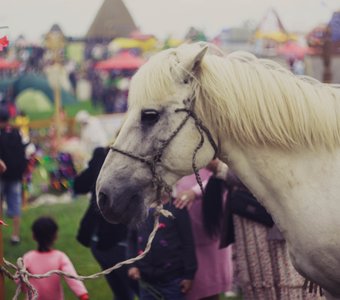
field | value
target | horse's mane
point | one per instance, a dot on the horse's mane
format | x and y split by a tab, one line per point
250	100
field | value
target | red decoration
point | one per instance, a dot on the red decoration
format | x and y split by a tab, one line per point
161	225
2	223
3	42
122	61
5	64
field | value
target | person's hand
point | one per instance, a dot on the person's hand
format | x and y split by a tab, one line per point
84	297
3	167
218	168
213	165
185	199
134	273
185	285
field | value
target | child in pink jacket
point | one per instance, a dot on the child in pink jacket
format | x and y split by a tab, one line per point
45	259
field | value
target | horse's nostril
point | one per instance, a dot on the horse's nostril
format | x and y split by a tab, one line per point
103	200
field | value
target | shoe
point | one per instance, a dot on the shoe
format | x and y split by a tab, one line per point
15	240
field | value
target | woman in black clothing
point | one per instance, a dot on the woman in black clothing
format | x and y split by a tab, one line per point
107	241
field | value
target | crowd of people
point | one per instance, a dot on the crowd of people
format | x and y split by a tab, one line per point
78	78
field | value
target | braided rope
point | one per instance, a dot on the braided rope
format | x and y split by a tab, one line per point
23	275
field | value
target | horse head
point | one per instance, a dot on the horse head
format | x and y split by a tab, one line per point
160	140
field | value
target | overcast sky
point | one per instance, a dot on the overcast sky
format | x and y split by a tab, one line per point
161	17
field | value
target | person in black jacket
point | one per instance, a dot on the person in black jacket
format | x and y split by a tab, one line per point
107	241
13	166
168	269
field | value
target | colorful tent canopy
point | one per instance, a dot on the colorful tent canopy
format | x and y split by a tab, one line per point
172	43
131	43
276	36
271	28
294	50
32	101
122	61
334	25
40	83
7	65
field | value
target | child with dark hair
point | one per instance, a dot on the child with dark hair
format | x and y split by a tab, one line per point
45	259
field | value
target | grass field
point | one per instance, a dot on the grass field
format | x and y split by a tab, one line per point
70	110
68	217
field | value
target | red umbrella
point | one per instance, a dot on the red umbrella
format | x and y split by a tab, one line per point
294	50
5	64
122	61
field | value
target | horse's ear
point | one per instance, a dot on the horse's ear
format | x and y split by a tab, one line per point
191	59
193	65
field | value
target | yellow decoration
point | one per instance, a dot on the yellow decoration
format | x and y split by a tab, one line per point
128	43
276	36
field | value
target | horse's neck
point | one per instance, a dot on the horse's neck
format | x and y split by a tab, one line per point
295	187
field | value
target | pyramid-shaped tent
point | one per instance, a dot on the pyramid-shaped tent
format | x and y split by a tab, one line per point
271	28
112	20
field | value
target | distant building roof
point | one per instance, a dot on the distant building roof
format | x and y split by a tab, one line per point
195	34
236	35
112	20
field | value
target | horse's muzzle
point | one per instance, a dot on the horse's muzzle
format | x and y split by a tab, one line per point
126	209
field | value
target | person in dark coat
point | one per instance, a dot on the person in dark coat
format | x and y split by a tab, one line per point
13	165
107	241
167	271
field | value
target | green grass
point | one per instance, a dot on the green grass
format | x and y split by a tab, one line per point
68	217
70	109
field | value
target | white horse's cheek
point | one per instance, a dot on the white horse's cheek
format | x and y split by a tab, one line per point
180	162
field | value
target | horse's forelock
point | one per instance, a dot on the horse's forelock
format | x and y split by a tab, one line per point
154	80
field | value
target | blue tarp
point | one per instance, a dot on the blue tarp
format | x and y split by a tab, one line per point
334	25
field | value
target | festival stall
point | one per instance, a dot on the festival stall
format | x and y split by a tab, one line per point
324	40
142	46
9	64
270	34
317	36
123	61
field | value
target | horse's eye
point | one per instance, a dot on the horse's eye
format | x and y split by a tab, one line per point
150	116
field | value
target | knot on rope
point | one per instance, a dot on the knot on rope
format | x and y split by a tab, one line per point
159	210
23	276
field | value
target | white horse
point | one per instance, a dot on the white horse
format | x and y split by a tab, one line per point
278	132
